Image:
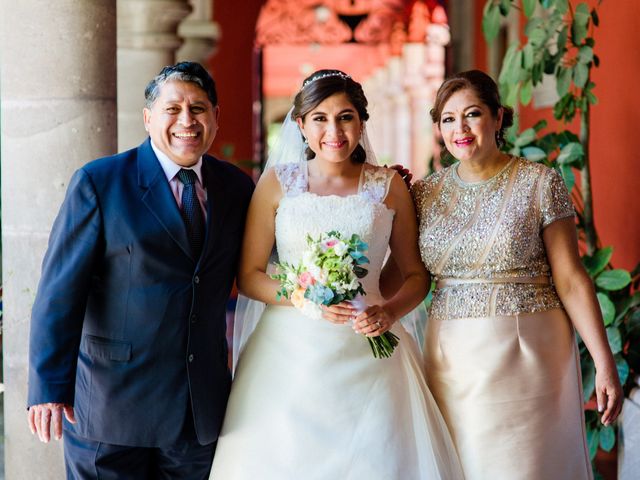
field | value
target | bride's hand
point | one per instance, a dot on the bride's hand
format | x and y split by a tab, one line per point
374	321
340	313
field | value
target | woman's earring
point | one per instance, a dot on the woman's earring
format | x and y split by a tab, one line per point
306	142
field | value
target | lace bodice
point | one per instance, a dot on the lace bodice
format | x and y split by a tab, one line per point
303	213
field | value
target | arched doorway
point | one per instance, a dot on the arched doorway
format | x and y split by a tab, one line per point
395	48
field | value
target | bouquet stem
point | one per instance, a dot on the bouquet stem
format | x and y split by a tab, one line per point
383	345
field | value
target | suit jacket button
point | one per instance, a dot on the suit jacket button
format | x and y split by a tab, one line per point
196	279
190	357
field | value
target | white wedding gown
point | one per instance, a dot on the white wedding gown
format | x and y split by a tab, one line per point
309	401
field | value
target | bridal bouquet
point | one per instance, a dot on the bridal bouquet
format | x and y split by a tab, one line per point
329	274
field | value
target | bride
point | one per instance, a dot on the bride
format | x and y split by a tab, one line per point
309	400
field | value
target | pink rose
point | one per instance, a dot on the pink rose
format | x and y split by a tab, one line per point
305	279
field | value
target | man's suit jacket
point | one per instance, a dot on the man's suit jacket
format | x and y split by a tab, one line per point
128	326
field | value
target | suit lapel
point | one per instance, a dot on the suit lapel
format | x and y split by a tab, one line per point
217	202
158	197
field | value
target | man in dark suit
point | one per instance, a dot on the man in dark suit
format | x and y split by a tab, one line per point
128	326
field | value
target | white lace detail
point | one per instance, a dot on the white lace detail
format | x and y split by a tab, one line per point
292	178
376	182
364	213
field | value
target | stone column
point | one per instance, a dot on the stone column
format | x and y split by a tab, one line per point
147	41
58	79
199	32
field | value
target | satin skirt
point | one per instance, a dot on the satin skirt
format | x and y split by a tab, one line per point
509	388
309	401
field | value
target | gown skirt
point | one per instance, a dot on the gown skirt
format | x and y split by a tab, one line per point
516	378
309	401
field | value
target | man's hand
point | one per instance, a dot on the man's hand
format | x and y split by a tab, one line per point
404	173
45	416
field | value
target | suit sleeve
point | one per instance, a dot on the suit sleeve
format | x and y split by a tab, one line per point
59	308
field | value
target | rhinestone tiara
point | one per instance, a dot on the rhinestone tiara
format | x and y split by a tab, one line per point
343	76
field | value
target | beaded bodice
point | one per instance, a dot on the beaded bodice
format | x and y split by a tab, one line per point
303	213
490	230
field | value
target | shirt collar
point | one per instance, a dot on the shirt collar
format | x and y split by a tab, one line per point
171	168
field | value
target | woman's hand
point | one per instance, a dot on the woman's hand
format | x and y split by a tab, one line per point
608	394
374	321
339	314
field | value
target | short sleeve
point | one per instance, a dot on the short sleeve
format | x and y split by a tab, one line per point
555	202
418	193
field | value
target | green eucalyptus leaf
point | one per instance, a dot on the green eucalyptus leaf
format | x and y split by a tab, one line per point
623	368
596	60
535	154
538	36
536	72
613	279
491	21
615	339
591	98
529	7
580	22
607	308
526	92
595	18
596	263
585	54
588	377
508	65
607	438
593	440
568	176
563	81
580	74
526	137
570	152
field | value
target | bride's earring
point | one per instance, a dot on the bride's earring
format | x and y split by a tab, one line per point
306	142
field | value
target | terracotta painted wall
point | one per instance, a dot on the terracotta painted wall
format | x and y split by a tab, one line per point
232	68
615	157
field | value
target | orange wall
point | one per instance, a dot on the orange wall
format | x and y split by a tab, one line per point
232	68
615	158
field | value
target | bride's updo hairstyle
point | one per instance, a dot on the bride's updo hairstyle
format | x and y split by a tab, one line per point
485	89
321	85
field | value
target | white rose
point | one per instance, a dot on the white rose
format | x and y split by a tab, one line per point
340	248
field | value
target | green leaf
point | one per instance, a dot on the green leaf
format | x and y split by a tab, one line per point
596	263
562	40
570	152
526	92
615	340
540	124
508	65
563	81
534	154
529	7
595	18
526	137
580	21
607	438
607	308
491	21
588	377
568	176
531	25
562	6
591	98
623	368
538	36
613	279
593	440
625	305
596	61
580	74
527	57
505	6
585	55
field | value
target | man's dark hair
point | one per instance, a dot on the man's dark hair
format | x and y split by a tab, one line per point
185	72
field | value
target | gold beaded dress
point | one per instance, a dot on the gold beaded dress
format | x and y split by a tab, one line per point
500	352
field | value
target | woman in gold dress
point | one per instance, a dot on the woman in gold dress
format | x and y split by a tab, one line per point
498	234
